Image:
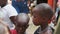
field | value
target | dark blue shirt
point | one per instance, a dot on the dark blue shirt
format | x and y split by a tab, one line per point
21	6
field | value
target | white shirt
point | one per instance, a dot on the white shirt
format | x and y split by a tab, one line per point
7	12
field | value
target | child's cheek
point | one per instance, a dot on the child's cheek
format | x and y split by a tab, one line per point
36	21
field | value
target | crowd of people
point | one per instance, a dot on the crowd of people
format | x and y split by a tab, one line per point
14	18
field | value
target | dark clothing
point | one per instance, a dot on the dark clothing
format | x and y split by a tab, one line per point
48	30
21	6
42	1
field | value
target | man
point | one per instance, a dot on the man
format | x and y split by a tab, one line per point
7	13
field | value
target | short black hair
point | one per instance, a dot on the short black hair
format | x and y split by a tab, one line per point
44	10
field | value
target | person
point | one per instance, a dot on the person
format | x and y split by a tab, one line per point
3	28
42	15
7	14
21	6
22	23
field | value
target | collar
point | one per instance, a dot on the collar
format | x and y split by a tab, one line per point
45	30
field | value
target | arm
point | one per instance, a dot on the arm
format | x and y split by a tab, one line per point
13	19
12	13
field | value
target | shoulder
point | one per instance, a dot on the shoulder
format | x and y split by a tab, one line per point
8	6
11	11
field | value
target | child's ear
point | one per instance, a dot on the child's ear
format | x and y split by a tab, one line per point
49	21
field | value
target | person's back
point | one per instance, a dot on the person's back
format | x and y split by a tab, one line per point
7	13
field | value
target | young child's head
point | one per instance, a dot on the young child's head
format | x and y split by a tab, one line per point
42	13
3	3
22	23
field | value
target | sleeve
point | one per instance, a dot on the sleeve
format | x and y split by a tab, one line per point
11	11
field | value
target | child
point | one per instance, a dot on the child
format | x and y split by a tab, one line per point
42	15
22	23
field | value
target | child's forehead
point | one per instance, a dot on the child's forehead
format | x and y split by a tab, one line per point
37	11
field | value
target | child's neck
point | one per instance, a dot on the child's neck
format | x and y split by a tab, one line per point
43	26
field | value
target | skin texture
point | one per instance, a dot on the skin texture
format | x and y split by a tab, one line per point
22	23
3	3
42	13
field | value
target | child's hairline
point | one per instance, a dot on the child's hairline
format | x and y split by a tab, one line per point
37	7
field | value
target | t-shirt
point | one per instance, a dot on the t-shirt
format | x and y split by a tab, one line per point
8	11
47	30
13	31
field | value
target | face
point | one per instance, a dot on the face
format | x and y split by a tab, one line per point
38	19
3	2
21	27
